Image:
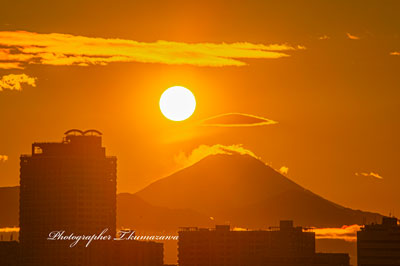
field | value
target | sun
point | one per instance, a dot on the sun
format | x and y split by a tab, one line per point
177	103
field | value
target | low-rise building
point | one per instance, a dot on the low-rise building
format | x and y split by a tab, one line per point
138	253
283	246
379	244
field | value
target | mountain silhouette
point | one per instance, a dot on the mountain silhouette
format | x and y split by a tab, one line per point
238	189
246	192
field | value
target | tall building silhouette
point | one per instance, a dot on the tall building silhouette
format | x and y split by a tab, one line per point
283	246
9	251
379	244
69	186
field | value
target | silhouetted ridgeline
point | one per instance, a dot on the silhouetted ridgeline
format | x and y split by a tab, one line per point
235	188
247	193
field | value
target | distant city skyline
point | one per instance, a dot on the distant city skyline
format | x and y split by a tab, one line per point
283	245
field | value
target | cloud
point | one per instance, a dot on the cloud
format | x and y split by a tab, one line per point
14	81
237	120
371	174
240	229
9	230
395	53
352	37
3	158
10	65
324	37
346	232
203	151
20	48
284	170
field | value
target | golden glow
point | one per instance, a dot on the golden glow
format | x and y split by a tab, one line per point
177	103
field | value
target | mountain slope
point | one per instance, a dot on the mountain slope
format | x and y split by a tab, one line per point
247	193
135	213
132	212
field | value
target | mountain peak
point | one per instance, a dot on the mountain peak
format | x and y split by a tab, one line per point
244	190
217	180
234	159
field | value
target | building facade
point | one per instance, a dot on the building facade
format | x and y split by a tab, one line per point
379	244
9	253
69	186
286	246
138	253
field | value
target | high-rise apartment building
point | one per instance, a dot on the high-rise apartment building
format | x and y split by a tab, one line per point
67	186
9	253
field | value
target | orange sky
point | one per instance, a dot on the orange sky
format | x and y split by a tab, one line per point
327	73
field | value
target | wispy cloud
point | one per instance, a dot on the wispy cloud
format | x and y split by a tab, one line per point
352	37
395	53
14	82
346	232
237	120
284	170
20	48
324	37
3	158
203	151
370	174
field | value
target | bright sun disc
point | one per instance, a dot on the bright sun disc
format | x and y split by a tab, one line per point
177	103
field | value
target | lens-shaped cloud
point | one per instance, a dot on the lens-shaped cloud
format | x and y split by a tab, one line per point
237	120
15	81
20	48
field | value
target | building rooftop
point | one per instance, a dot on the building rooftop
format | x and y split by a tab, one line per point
285	225
388	224
75	142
